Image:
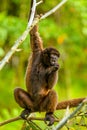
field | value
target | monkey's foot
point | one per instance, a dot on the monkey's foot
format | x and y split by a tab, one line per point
49	118
25	113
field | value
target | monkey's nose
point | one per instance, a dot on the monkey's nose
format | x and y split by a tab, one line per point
53	62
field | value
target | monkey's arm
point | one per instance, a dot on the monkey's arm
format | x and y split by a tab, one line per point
52	76
35	40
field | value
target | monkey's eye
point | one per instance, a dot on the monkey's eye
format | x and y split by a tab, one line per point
53	59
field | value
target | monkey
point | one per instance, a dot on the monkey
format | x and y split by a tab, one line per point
41	76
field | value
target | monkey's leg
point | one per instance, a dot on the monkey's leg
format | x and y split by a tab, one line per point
49	105
24	100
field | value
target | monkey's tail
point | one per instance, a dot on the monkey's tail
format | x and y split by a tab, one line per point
70	103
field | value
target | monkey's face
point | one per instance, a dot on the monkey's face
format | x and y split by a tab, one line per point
50	60
50	57
53	59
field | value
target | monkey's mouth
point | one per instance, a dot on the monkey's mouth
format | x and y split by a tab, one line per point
54	63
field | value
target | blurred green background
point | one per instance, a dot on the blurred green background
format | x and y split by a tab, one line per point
66	30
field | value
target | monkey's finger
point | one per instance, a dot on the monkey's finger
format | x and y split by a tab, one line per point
25	113
49	120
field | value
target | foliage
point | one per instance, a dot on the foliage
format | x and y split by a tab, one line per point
66	30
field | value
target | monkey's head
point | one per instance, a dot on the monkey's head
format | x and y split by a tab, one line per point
50	56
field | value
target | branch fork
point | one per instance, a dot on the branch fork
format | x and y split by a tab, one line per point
30	25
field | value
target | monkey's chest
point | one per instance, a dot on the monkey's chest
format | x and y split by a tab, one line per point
37	78
38	81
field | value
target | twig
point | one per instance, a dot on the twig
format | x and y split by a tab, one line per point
84	125
54	9
30	25
39	2
65	119
19	118
10	120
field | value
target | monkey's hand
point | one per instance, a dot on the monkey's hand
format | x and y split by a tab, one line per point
35	28
49	117
56	67
24	114
52	69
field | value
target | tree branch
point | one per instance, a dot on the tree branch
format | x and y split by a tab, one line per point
77	102
30	25
10	120
66	118
19	118
54	9
32	14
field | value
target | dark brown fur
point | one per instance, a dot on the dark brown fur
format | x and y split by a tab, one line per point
41	76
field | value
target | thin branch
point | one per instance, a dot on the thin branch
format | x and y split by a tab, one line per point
30	25
10	120
32	14
84	125
65	119
39	2
19	118
54	9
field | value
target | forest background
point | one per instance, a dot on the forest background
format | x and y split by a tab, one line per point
66	30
